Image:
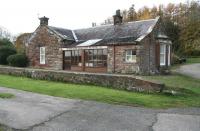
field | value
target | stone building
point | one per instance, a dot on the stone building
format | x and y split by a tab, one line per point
21	42
133	47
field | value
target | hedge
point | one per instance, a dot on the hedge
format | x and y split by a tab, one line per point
6	51
17	60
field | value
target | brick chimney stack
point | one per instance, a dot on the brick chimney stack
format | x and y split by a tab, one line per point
117	18
44	20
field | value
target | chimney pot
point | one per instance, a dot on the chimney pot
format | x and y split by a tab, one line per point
44	20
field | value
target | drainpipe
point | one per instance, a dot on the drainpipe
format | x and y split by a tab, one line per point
149	53
114	57
83	59
63	60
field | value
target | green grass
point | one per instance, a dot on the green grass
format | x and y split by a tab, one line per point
6	95
182	83
96	93
193	60
178	81
190	60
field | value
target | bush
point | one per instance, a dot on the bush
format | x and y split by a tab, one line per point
178	60
175	59
18	60
6	51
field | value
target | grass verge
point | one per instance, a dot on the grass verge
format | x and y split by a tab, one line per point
190	60
193	60
97	93
6	95
178	81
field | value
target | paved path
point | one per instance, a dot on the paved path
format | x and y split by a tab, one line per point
192	70
35	112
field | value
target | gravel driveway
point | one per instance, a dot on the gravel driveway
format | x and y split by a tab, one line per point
192	70
34	112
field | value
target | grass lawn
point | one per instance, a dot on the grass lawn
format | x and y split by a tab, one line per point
178	81
95	93
193	60
6	95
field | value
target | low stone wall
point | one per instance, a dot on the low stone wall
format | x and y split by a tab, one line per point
125	82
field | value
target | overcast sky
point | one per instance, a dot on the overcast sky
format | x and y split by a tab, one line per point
20	16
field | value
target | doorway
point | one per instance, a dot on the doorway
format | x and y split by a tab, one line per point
67	60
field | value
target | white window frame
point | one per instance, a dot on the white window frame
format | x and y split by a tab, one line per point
163	53
133	57
169	55
42	55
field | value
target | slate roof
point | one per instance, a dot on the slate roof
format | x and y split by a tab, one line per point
131	29
116	41
125	32
64	33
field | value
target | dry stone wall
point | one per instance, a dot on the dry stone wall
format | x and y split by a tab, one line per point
125	82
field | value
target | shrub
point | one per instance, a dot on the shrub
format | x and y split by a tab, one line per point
178	60
18	60
6	51
175	59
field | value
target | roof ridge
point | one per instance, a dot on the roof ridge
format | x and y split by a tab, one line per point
114	25
94	27
74	35
142	20
60	28
58	33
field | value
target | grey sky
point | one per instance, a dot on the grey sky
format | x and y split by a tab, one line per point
20	16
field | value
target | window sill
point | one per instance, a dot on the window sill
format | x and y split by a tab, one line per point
130	62
95	66
42	64
162	64
76	66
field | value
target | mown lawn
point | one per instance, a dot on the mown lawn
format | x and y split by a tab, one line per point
96	93
193	60
190	60
177	81
6	95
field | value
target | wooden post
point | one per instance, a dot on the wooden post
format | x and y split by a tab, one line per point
83	59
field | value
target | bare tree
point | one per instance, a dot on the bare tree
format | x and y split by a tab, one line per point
4	33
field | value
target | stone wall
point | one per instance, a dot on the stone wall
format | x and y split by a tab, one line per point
43	37
116	60
148	56
125	82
